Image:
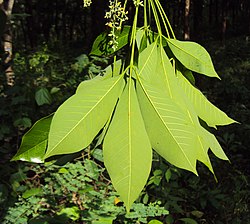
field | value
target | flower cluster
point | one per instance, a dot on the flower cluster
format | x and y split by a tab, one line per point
138	3
87	3
116	16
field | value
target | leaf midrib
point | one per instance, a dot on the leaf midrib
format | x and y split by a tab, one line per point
207	65
130	140
164	124
68	133
151	52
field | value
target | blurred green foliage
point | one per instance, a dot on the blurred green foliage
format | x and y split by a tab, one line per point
73	193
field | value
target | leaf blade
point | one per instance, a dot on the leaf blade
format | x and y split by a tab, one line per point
193	56
208	112
167	127
83	115
130	174
159	98
34	142
100	45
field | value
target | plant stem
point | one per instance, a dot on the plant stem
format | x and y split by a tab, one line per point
165	18
157	21
132	41
145	13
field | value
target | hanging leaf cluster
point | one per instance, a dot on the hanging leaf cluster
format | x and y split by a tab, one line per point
150	104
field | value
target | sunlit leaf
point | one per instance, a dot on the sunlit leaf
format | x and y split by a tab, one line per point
169	127
148	63
79	119
32	192
34	142
155	222
104	220
168	79
169	130
114	69
193	56
213	144
205	110
127	150
72	213
142	39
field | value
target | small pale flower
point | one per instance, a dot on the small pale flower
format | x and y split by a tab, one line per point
116	16
87	3
138	3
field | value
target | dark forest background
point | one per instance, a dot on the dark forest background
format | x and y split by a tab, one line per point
68	22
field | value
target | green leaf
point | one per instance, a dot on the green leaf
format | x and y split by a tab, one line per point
97	154
127	150
142	40
101	46
155	222
54	90
213	144
139	37
145	36
23	122
168	175
193	56
63	170
3	19
34	142
79	119
32	192
188	221
148	63
103	133
43	96
114	69
169	127
204	109
189	76
169	82
104	220
72	213
197	213
202	154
